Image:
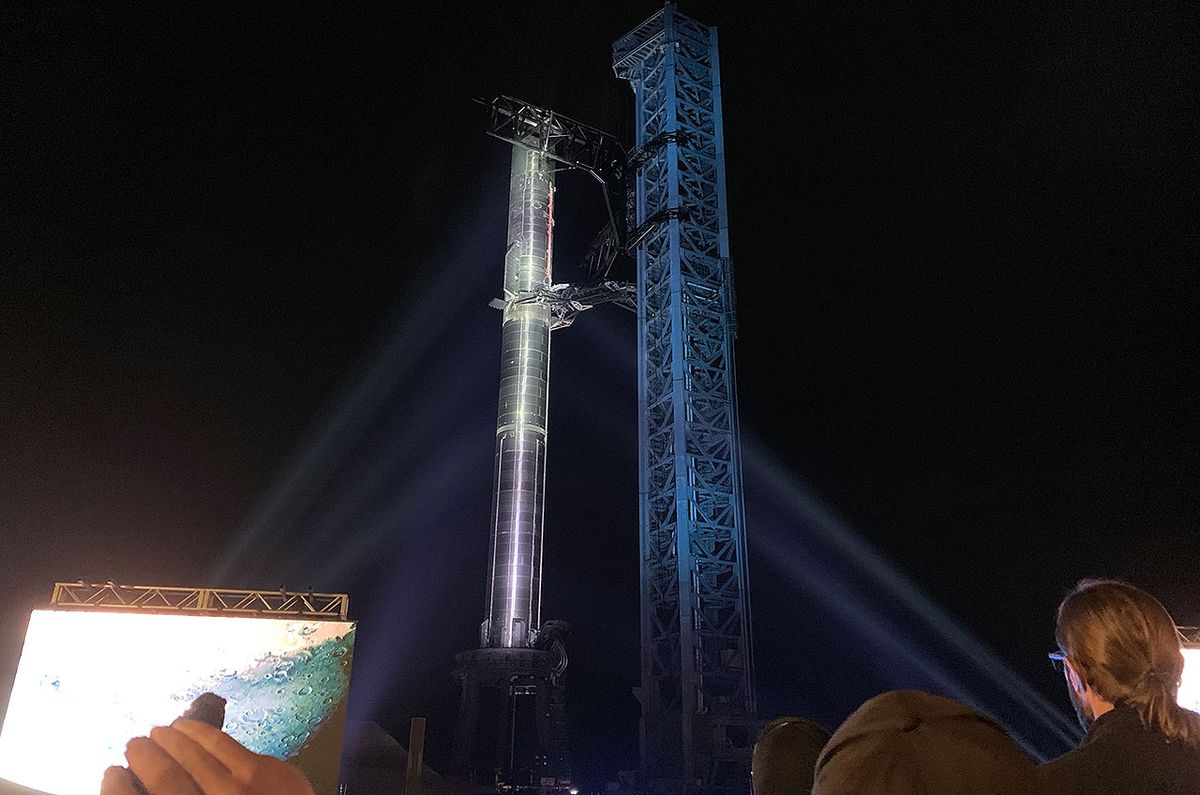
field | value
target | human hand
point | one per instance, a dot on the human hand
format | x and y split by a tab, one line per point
193	758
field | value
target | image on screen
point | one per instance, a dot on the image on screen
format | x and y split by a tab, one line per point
1189	686
88	681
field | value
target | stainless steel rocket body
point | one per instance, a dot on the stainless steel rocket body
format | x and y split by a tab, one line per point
515	564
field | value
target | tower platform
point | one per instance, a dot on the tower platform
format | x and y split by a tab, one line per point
512	720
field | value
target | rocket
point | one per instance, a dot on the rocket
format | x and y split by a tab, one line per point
518	495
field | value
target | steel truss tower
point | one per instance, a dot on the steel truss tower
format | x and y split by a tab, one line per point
697	690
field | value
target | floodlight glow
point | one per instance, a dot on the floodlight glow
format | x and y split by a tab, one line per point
824	526
89	681
319	461
1189	686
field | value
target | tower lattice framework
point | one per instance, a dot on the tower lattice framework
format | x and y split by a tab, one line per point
697	691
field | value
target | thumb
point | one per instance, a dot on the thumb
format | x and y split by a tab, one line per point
117	781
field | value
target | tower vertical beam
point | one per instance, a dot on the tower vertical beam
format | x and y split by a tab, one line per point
738	503
685	565
697	690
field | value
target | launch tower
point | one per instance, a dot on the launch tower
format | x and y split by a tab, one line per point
697	683
697	686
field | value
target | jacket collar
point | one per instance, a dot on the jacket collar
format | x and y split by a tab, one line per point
1121	718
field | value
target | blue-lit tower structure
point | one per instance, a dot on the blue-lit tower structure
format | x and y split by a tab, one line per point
697	684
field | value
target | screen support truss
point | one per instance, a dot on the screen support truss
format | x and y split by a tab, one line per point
200	601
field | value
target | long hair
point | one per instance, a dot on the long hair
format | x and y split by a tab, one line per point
1124	644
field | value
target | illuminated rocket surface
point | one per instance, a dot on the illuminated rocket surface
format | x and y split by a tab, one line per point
515	560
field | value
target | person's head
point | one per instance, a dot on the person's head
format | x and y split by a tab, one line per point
911	743
1120	646
784	756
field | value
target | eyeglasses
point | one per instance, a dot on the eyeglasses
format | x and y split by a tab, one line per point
1056	659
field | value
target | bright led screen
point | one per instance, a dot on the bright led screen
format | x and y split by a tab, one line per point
89	681
1189	687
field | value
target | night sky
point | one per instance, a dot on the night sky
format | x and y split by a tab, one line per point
246	255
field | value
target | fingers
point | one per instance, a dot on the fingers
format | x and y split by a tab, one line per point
159	773
193	758
205	769
117	782
239	760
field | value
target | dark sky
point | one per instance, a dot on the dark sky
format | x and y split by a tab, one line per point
245	257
